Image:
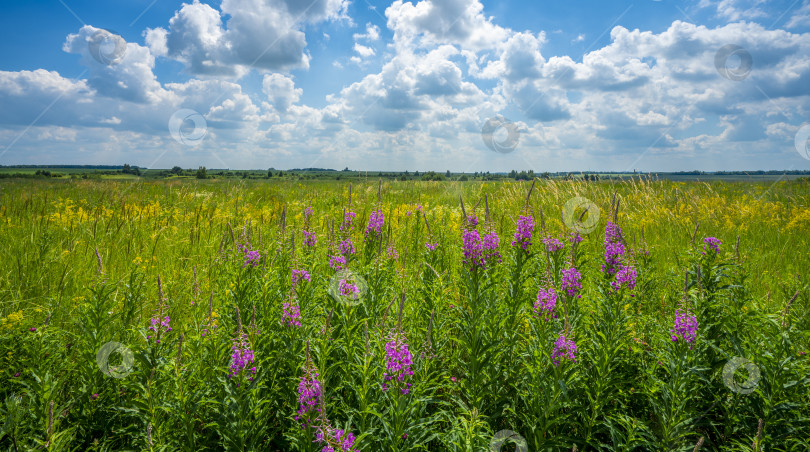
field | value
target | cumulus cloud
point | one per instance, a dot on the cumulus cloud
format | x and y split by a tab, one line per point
261	34
281	91
459	22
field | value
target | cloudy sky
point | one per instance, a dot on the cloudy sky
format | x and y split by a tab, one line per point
464	85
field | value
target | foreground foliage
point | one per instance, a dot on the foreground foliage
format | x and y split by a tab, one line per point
221	316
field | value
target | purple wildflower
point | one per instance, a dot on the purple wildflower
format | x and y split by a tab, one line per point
348	289
348	221
563	348
523	234
251	257
32	329
571	281
375	222
335	437
545	304
625	276
309	239
713	243
398	360
309	394
159	326
308	212
574	237
613	233
337	262
291	315
685	327
490	243
472	248
94	396
298	276
346	247
553	244
613	254
241	357
392	252
431	246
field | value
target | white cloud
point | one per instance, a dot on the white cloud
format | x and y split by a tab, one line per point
734	10
281	91
459	22
363	51
266	35
372	33
801	17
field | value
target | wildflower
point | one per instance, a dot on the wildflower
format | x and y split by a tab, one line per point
291	315
553	244
571	281
625	276
308	212
574	237
241	357
159	326
251	257
523	234
335	437
713	243
398	360
348	289
375	222
392	252
613	233
309	394
298	276
337	262
472	221
346	247
613	254
472	248
490	244
32	329
348	221
94	396
546	302
453	379
309	239
563	348
431	246
685	327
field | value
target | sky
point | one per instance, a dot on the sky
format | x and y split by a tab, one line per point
459	85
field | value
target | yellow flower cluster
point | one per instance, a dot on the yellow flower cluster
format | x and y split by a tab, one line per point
12	320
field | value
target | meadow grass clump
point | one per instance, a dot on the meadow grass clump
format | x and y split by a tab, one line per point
370	316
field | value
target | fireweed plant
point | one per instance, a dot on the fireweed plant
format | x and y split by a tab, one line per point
500	334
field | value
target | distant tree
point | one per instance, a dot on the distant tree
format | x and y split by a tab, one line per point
406	173
545	175
346	169
463	178
176	170
201	173
447	174
126	169
416	174
270	172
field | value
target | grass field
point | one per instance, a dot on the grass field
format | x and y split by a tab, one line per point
455	346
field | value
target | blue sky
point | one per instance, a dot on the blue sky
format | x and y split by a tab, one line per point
396	85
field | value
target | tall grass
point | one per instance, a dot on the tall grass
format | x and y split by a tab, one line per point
82	261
